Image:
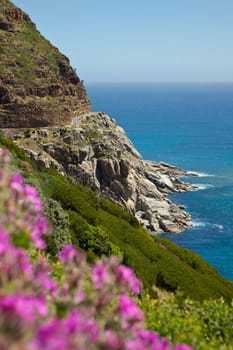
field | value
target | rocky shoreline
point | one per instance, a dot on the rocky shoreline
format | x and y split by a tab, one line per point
98	154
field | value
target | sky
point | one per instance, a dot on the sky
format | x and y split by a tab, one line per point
140	40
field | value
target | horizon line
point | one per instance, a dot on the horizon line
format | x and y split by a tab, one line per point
154	82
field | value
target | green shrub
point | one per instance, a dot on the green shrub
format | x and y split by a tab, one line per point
204	325
59	221
90	238
15	150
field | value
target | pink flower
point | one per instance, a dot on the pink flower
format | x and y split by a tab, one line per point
126	276
39	229
152	340
182	347
47	284
112	339
23	261
42	224
99	276
146	340
4	156
17	183
67	254
80	296
72	332
51	336
32	196
27	308
4	241
135	344
36	238
129	309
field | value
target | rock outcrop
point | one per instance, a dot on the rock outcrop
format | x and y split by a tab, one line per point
38	87
98	154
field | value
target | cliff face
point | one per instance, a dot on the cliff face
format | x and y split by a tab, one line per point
38	87
40	90
98	154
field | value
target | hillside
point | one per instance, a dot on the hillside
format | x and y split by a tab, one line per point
98	227
38	87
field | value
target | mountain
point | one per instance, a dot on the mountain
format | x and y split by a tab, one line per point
38	87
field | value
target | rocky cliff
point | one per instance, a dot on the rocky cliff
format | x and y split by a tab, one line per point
39	90
98	154
38	87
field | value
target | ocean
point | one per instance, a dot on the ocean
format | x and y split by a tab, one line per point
190	126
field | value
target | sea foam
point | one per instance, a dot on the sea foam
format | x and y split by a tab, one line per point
199	174
202	186
196	223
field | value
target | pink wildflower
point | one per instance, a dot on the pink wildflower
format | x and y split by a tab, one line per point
182	347
80	296
32	196
112	340
47	284
22	260
71	332
27	308
147	340
100	276
4	241
51	336
17	183
39	229
67	254
126	276
129	309
153	340
4	156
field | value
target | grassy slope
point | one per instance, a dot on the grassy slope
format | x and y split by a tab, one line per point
23	48
100	227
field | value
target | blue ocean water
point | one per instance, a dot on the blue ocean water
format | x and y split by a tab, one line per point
190	126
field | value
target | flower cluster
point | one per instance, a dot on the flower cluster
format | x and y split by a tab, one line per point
20	206
67	304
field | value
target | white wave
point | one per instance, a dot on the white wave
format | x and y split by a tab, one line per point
199	174
202	186
196	223
219	227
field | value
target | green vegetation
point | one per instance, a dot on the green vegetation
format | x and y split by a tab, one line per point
206	326
24	50
99	227
36	79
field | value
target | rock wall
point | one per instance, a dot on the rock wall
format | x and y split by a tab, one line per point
98	154
38	87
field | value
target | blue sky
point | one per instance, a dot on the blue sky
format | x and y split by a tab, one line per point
140	40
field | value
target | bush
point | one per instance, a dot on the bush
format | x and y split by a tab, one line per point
90	238
59	220
206	325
